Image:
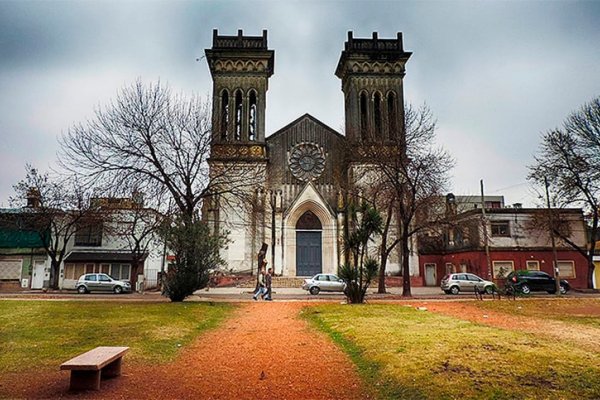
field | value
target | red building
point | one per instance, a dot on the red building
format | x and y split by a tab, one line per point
516	238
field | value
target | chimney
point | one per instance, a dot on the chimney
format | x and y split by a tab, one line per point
33	198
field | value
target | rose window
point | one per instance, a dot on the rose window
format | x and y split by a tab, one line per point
307	161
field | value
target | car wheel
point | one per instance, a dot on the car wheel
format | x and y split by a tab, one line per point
454	290
81	290
314	290
525	289
118	290
489	290
563	290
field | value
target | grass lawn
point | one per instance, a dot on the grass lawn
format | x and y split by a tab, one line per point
43	334
405	353
575	311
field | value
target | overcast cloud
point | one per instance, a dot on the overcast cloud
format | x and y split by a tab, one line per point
495	74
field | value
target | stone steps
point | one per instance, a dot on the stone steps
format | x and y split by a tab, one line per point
278	281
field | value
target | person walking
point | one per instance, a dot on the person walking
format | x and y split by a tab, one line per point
261	290
268	283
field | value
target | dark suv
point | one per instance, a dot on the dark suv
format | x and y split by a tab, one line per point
525	281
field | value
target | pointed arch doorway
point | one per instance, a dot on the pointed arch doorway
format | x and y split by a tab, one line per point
309	232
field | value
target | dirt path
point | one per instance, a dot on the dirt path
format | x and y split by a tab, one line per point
264	352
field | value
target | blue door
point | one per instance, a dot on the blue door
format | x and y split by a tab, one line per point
308	253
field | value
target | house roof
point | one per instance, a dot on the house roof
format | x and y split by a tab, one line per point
510	210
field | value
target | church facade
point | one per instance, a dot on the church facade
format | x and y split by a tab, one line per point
297	182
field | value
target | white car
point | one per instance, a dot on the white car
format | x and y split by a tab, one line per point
101	283
465	282
325	283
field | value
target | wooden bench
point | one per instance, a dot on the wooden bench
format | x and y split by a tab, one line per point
89	368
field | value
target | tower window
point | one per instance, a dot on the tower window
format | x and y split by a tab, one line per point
392	116
238	115
224	114
252	117
363	116
377	114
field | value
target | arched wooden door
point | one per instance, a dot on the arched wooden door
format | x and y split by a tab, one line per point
309	260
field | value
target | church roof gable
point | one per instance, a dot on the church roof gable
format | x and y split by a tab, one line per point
308	118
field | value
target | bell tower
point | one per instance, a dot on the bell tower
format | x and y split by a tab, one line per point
240	67
371	71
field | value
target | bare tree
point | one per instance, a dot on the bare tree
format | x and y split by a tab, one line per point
153	141
57	210
408	174
569	158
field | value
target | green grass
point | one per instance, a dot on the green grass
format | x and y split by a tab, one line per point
404	353
43	334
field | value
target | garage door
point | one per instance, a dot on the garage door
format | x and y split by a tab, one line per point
10	268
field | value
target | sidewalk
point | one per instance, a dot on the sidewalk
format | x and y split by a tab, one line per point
243	294
236	294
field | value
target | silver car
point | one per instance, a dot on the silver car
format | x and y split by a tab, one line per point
325	283
465	282
101	283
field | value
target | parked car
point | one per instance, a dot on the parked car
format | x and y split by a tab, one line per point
101	283
526	281
465	282
325	283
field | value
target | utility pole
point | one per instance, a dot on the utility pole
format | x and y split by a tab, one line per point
485	232
555	257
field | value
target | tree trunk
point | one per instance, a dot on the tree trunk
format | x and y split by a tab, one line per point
135	270
592	249
383	250
405	268
382	267
590	275
54	273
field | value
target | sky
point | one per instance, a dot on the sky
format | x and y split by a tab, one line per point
495	74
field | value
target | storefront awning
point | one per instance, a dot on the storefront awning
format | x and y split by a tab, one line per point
97	256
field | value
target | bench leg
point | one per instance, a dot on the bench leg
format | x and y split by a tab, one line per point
113	369
85	380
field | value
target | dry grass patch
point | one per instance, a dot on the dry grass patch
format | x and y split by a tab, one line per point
577	311
412	354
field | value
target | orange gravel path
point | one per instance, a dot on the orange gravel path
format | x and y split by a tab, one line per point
265	351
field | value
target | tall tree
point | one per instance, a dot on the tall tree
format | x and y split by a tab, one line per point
152	140
57	209
408	173
569	159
